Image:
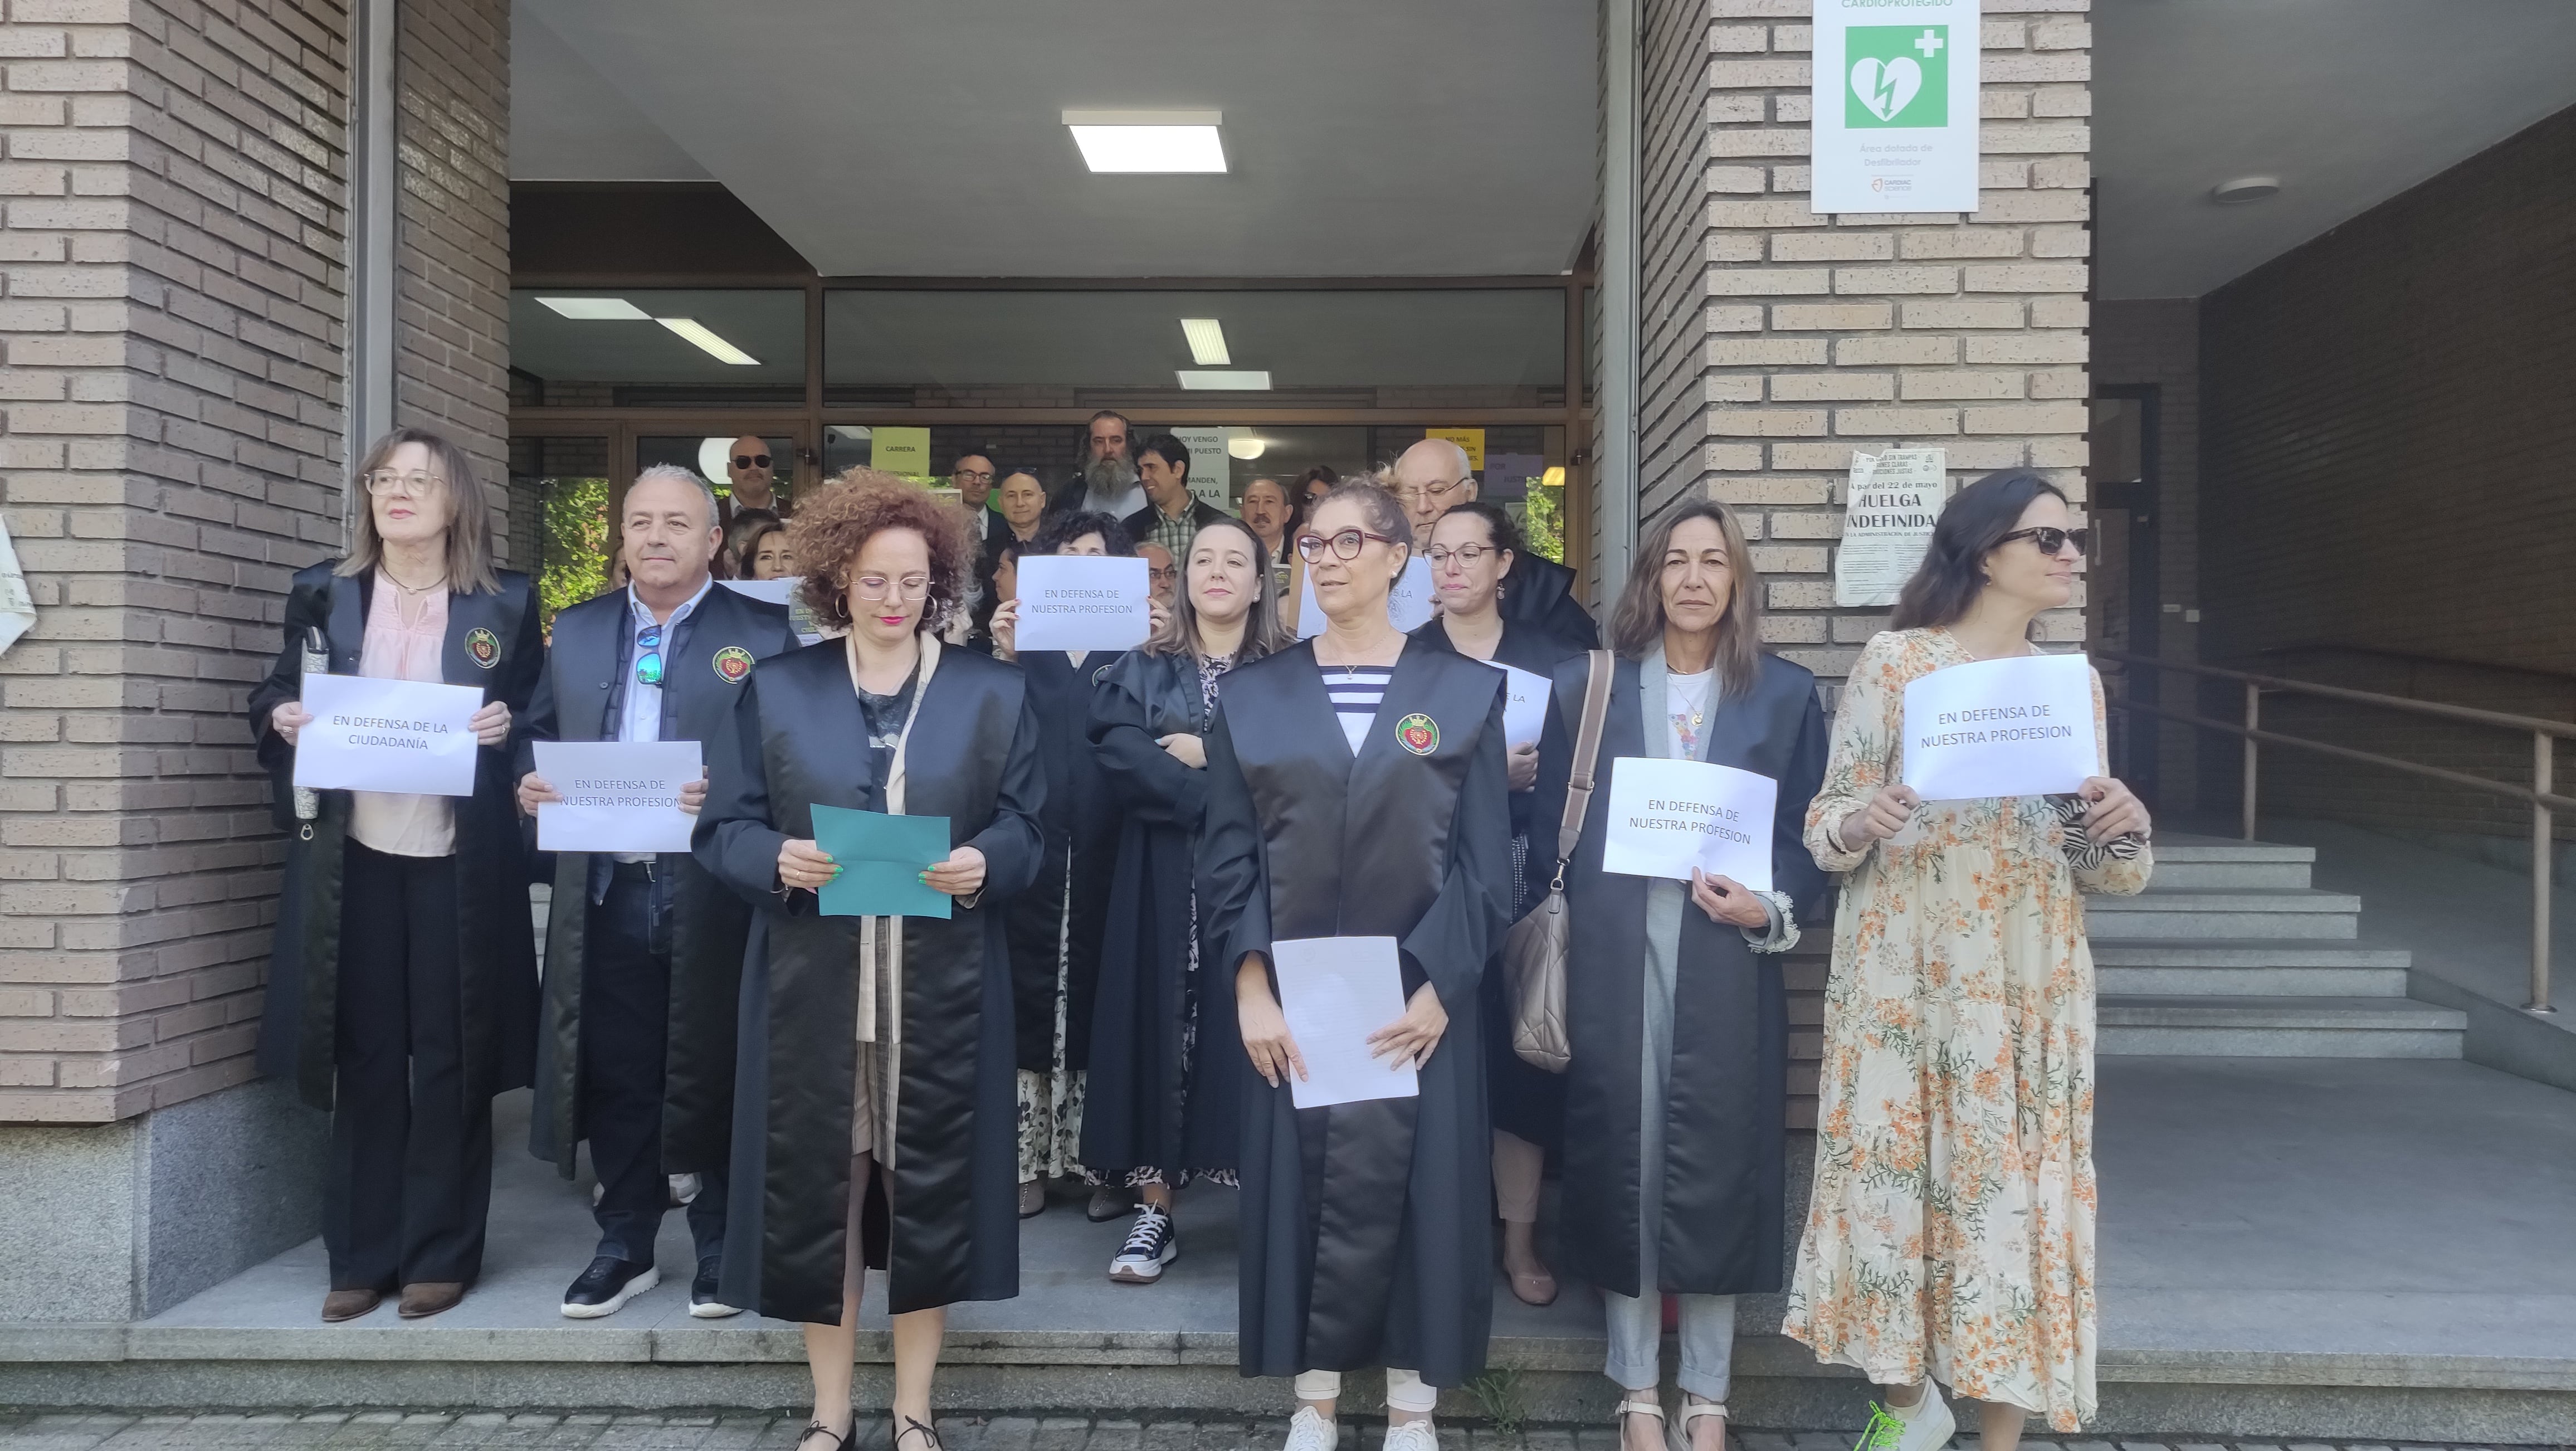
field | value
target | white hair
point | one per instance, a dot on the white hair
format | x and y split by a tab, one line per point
705	490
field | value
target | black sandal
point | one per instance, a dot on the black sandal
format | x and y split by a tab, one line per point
840	1440
911	1427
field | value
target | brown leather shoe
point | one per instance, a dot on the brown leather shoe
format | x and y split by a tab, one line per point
342	1305
430	1297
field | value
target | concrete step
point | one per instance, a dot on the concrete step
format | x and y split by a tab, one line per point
2277	1027
2185	967
2187	863
2304	914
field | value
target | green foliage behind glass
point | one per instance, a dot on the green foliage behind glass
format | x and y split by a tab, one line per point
1544	522
574	551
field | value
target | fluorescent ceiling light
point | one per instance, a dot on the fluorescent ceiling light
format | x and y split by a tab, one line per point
1207	341
596	309
1148	141
1249	380
704	336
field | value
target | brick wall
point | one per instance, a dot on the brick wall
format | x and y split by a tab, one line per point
1776	342
452	297
2388	420
174	196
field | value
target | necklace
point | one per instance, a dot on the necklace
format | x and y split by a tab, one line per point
416	589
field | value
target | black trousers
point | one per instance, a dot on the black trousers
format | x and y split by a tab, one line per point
411	1158
625	1036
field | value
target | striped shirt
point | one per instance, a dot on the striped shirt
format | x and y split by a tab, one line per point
1356	691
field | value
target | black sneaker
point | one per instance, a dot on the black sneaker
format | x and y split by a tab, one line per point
702	1292
1151	1244
606	1286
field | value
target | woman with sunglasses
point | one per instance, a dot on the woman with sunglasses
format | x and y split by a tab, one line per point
1472	548
873	1094
403	991
1356	788
1950	1236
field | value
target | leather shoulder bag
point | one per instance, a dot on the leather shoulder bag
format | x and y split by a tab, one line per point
1534	951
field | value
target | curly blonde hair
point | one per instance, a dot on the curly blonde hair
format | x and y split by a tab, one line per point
829	529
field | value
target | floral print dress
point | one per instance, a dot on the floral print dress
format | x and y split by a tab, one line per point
1951	1229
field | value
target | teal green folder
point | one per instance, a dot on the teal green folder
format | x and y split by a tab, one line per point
881	858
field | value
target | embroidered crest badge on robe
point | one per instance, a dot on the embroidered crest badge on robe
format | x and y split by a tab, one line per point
733	664
1418	733
484	646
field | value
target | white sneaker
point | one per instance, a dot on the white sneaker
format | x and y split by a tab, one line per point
1413	1436
1308	1431
1926	1426
1151	1244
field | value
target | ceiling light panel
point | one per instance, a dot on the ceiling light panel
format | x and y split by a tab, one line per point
705	337
1226	380
1207	341
1149	141
596	309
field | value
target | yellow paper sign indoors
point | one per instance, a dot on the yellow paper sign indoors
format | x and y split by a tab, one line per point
904	451
1470	439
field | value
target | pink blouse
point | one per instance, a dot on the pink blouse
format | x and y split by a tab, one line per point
406	635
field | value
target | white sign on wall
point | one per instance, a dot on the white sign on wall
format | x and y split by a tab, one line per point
1895	99
1211	470
1889	509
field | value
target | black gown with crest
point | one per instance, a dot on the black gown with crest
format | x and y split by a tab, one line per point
1366	1229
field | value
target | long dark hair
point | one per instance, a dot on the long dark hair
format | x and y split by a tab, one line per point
1261	633
1637	624
1971	526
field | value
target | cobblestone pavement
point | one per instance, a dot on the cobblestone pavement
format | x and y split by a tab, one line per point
739	1431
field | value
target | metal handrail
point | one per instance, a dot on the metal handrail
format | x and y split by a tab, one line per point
2541	794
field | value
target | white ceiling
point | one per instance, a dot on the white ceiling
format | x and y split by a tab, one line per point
925	137
2348	102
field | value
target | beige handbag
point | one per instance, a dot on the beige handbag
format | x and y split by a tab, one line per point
1534	950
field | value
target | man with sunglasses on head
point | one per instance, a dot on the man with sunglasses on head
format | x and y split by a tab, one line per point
752	479
1432	478
643	951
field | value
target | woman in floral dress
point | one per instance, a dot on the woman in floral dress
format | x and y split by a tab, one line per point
1950	1236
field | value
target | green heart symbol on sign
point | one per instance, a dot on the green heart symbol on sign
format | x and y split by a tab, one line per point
1884	87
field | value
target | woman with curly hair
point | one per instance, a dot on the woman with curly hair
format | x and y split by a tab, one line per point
890	1035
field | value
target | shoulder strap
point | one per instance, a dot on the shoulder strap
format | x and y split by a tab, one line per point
1587	756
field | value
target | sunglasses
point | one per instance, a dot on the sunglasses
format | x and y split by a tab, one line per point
648	664
2052	540
751	460
1345	545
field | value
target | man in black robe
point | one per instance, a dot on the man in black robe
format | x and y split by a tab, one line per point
642	952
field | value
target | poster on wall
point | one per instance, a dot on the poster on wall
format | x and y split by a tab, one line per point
1211	469
1895	97
904	451
1889	508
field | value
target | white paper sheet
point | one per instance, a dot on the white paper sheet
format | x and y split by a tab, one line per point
1667	817
782	591
387	735
1409	604
2017	727
1336	991
1084	602
1524	704
619	796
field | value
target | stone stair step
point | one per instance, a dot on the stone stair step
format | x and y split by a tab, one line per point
2227	876
2184	967
2308	914
2221	1026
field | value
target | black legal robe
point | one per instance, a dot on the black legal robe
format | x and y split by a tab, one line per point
1141	1110
588	672
495	643
947	1228
1724	1133
1064	906
1539	593
1366	1231
1524	1100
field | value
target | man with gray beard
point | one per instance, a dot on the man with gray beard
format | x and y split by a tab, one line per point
1105	482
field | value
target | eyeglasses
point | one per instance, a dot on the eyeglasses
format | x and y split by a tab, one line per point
873	587
751	460
1345	545
1443	488
416	484
1165	575
648	662
2052	540
1466	554
977	476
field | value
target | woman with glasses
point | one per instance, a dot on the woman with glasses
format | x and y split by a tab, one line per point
873	1094
1356	788
1472	548
1950	1236
403	992
1161	1109
1675	1095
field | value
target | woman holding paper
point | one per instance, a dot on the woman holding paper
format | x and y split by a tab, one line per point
1356	789
1951	1232
403	990
1472	548
873	1099
1162	1107
1674	1172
